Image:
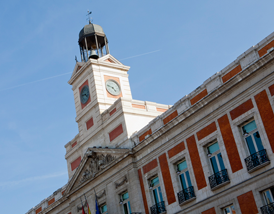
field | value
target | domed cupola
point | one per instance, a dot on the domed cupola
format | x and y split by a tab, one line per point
93	42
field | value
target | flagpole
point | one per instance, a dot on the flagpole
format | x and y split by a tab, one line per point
83	211
87	204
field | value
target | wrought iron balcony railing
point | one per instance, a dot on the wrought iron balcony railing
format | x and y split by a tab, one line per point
186	194
268	209
136	213
218	178
256	159
158	208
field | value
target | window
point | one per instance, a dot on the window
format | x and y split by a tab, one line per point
252	137
229	210
183	173
124	201
156	190
103	209
268	201
187	191
220	175
215	158
268	196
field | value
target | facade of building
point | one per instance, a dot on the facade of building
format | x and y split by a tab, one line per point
211	152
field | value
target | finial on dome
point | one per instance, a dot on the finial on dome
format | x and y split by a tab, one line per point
89	18
92	41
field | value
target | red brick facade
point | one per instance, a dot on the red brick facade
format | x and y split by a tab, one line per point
176	149
231	73
210	211
170	117
241	109
247	203
196	162
143	190
74	144
167	179
230	144
267	115
112	111
151	165
271	89
143	136
263	50
51	201
206	131
75	163
198	97
38	210
115	132
89	123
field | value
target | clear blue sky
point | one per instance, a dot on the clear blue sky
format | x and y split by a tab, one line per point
192	40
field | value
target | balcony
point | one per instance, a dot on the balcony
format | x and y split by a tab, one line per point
268	209
218	179
257	160
186	195
158	208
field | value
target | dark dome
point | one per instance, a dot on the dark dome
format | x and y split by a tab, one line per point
90	30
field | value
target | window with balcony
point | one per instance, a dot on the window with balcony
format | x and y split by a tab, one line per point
103	209
220	176
124	201
157	197
257	154
268	201
187	191
229	210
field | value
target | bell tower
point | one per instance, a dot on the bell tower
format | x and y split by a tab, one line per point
98	80
106	114
93	42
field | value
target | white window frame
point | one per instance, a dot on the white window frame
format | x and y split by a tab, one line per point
212	155
155	187
124	202
251	134
264	197
100	207
181	172
229	207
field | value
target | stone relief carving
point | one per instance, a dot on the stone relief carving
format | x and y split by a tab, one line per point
96	163
101	195
118	184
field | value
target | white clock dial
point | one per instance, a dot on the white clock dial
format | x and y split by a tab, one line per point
113	87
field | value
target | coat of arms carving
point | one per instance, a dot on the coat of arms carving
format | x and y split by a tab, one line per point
96	163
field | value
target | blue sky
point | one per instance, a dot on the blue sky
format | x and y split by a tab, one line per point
190	41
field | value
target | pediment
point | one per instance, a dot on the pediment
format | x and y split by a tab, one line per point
110	59
77	67
94	162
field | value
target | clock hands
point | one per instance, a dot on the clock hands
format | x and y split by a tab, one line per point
112	87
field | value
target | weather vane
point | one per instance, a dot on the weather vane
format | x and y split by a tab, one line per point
89	19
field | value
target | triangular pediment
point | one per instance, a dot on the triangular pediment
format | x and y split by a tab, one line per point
94	162
77	67
110	59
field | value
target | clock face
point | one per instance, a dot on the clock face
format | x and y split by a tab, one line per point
113	87
84	95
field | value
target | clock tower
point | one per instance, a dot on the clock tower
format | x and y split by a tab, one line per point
106	114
